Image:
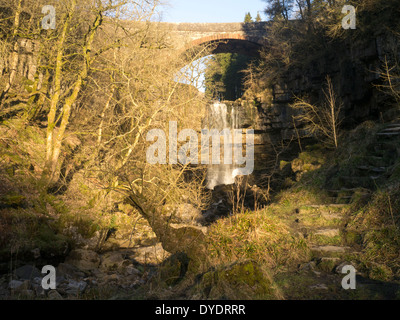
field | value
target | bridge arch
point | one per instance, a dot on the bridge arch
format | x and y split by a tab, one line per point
242	38
227	43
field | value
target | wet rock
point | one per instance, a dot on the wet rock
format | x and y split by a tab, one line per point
27	272
85	260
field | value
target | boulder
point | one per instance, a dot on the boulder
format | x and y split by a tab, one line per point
151	255
27	272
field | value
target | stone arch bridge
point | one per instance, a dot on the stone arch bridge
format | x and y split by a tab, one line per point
243	38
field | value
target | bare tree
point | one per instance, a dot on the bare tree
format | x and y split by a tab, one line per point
322	121
390	74
71	71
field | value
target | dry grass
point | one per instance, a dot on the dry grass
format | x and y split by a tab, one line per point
379	225
258	236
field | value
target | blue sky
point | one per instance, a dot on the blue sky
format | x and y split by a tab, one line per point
211	10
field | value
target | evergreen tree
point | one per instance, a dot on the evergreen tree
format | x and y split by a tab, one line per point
258	18
224	77
248	18
279	9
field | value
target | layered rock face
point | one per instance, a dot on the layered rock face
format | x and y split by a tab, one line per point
354	68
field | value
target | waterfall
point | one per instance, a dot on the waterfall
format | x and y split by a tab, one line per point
220	118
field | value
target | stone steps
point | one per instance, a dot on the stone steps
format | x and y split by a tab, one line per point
342	199
322	224
380	161
391	129
388	134
325	206
331	216
331	211
348	192
345	195
328	232
393	125
329	244
383	147
373	169
325	236
328	250
326	242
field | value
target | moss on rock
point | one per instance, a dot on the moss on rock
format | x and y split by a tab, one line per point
244	280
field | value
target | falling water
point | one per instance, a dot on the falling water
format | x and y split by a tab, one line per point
220	118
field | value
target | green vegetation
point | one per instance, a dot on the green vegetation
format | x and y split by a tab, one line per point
248	18
225	77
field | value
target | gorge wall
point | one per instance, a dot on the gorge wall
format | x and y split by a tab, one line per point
354	68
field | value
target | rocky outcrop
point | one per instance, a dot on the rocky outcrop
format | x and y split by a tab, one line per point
83	272
354	67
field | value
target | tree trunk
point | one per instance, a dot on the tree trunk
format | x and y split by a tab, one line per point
15	53
100	130
49	166
189	240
